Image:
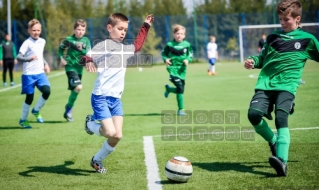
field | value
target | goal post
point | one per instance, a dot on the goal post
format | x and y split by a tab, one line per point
248	42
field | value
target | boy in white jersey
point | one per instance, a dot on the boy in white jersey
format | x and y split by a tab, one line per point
212	55
110	58
34	65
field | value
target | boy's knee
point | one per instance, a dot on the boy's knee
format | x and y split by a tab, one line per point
29	99
118	136
109	134
78	88
180	88
281	119
46	91
255	116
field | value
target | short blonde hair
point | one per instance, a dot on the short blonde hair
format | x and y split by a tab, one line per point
177	27
117	17
33	22
79	22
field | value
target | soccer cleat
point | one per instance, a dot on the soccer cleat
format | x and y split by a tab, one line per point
181	113
86	128
37	115
279	165
4	84
209	72
166	93
98	166
273	148
68	113
214	74
12	84
25	124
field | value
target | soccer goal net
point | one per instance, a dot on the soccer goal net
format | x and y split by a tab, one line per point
249	36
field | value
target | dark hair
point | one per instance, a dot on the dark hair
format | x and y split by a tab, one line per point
79	22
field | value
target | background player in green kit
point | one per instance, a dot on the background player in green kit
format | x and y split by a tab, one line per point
281	62
77	46
177	54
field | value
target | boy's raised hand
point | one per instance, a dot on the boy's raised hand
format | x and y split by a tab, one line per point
149	19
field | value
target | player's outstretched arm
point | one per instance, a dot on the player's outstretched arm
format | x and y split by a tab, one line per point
142	34
87	61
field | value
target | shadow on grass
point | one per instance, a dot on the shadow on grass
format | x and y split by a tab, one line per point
246	167
59	169
49	122
144	114
14	128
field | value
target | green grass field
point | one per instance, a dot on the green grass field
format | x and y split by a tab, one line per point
56	154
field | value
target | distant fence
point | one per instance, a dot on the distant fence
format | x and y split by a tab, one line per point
199	28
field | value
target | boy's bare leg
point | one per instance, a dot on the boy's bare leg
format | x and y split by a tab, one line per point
118	123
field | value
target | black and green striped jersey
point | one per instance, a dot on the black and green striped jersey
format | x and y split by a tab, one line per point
76	48
283	58
177	52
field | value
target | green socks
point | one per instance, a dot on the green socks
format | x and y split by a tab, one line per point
283	142
72	98
180	101
179	97
264	130
173	90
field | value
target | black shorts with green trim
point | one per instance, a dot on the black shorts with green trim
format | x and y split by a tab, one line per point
265	101
74	79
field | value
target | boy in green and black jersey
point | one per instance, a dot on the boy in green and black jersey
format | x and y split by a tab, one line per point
281	61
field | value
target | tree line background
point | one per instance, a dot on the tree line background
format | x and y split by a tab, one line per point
210	17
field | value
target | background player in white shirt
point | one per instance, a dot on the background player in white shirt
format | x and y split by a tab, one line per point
212	55
34	65
110	59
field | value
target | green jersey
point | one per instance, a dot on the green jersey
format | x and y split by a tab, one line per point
283	58
177	52
76	48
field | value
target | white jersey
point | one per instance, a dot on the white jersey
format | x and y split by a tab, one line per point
29	48
211	50
111	59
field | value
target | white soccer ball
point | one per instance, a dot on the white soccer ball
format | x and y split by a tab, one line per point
140	69
178	169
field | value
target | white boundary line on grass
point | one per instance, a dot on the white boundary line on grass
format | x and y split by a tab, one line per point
18	85
248	131
153	179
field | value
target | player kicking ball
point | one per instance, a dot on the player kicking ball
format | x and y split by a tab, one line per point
109	59
281	62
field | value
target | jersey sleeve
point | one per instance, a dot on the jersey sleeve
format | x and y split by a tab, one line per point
24	48
189	53
1	52
314	50
165	52
14	52
88	45
63	46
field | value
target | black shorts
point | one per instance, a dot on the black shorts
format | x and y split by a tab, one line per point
179	83
74	79
266	100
